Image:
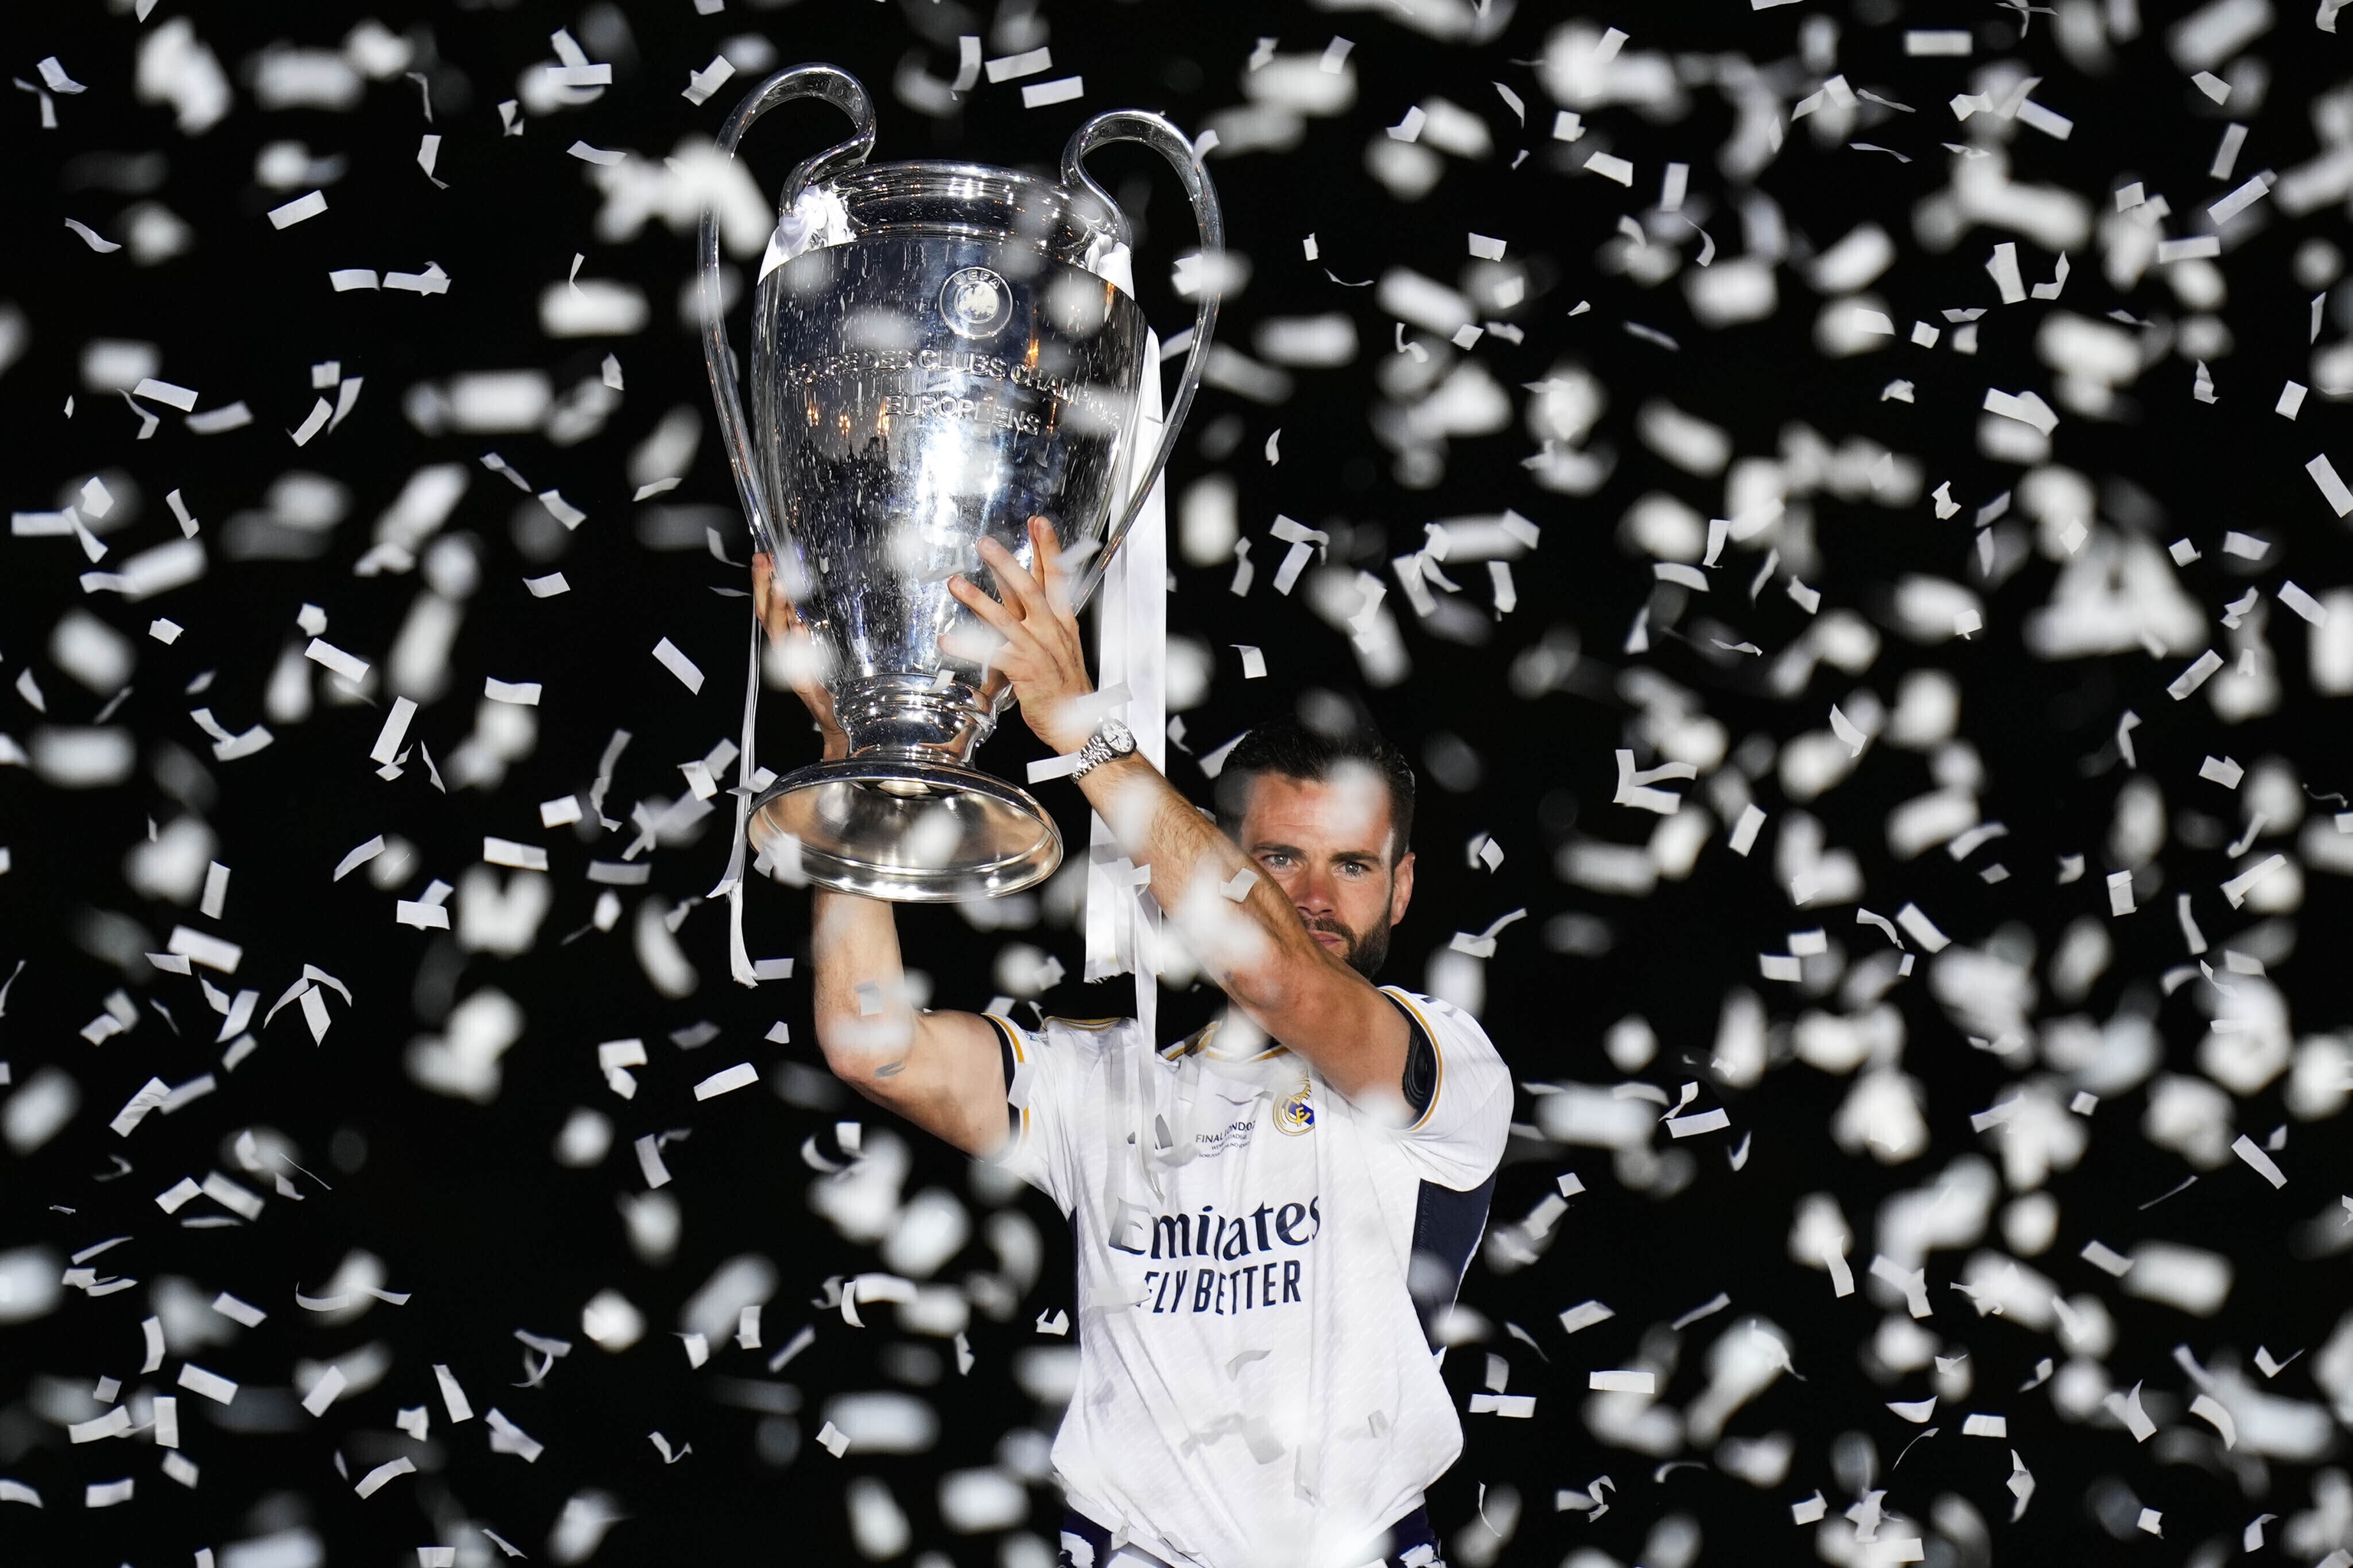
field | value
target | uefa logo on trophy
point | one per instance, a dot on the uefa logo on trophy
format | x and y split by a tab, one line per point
940	352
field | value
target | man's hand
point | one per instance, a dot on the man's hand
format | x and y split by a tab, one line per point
1042	653
802	658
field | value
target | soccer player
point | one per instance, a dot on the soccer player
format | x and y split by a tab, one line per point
1258	1210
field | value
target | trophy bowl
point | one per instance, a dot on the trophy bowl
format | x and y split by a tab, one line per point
940	352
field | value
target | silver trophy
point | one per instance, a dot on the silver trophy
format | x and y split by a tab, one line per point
940	352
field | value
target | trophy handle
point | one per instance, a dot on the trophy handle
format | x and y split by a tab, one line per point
845	92
1164	138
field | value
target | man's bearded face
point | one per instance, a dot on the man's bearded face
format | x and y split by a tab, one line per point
1330	845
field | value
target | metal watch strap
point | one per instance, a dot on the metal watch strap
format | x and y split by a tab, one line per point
1095	753
1092	756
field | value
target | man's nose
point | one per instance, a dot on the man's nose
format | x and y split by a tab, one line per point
1313	893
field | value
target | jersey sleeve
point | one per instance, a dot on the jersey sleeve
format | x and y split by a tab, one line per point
1458	1139
1042	1073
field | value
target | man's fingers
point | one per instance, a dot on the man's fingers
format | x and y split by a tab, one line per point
776	611
970	595
1047	551
1013	583
1013	579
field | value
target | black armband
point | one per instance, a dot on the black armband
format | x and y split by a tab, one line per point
1420	1081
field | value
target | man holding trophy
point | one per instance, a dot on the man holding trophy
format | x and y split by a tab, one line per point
946	370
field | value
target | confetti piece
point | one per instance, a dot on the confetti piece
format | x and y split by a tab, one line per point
1585	1316
702	84
238	1312
506	852
91	238
453	1398
211	1385
1010	68
2120	893
2026	407
199	947
1610	167
650	1161
394	731
2201	670
506	1437
2238	887
2222	770
298	210
2303	603
2262	1163
741	1075
1041	95
337	662
375	1480
1921	928
2240	200
689	674
2127	1408
2324	475
561	509
166	393
1913	1283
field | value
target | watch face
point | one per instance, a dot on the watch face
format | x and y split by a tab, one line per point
1118	736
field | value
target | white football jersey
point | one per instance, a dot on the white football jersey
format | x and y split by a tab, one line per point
1254	1385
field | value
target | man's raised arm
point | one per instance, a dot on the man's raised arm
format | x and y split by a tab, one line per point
1254	946
943	1070
1246	932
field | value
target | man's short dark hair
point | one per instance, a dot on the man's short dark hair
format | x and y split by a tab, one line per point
1297	751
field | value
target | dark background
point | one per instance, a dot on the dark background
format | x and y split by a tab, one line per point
463	1202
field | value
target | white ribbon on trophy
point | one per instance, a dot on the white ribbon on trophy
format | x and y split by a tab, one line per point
739	961
1132	648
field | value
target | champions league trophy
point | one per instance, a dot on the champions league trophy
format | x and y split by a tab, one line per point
940	352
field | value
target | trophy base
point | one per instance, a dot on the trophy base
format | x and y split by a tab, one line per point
910	831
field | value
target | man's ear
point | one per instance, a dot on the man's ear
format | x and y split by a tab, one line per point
1401	888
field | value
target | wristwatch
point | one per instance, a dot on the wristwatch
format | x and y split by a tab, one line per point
1110	740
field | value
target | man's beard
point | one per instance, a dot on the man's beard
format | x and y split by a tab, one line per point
1365	953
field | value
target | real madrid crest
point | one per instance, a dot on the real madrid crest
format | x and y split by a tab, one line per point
1294	1113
